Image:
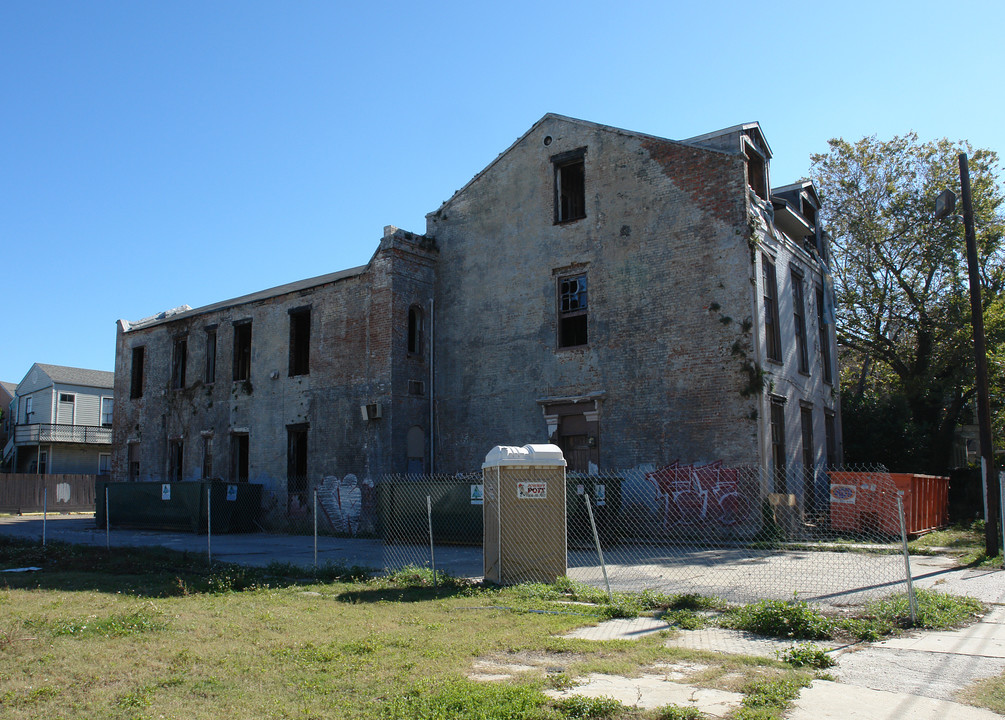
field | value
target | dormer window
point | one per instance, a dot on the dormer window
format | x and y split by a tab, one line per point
757	171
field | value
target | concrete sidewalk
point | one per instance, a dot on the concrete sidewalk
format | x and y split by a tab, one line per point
917	675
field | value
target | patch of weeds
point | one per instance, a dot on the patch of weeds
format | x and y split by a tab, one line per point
623	606
465	700
686	619
989	693
677	712
29	697
413	576
782	619
560	681
235	578
112	626
806	655
770	698
693	601
598	708
936	611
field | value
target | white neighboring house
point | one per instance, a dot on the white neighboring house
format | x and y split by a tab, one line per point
62	422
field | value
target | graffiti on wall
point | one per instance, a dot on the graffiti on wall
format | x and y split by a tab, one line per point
701	495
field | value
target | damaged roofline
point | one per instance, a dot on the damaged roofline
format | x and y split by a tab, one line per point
169	315
597	126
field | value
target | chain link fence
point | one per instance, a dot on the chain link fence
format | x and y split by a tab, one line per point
832	536
828	536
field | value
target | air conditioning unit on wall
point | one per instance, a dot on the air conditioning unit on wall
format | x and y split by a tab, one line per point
370	411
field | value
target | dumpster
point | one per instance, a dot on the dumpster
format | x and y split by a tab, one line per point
180	505
867	502
402	515
524	514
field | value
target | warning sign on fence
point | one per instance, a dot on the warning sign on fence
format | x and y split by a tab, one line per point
532	490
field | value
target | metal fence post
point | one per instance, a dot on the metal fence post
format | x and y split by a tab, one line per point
315	528
209	523
108	520
429	516
596	541
45	511
912	601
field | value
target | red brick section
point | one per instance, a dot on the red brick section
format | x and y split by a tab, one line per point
714	181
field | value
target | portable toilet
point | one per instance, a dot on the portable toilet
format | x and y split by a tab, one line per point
524	514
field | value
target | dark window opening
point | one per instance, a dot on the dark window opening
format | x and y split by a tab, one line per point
415	330
176	458
772	331
242	351
416	387
809	212
757	173
134	462
300	342
136	384
296	467
179	360
572	311
210	355
825	339
67	398
778	443
830	437
239	457
570	186
799	316
207	456
809	461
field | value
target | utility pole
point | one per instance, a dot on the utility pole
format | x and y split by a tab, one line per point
992	498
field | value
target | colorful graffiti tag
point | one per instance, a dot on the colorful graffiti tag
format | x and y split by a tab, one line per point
700	495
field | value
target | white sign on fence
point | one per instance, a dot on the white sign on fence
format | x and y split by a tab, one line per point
231	493
165	491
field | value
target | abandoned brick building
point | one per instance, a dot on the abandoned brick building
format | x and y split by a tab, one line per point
633	299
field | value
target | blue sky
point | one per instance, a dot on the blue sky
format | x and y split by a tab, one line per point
154	154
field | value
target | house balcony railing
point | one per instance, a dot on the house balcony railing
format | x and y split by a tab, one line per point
76	434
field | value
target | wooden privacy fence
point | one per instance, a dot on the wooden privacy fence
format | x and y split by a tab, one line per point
24	492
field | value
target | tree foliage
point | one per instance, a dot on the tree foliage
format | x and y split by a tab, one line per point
902	295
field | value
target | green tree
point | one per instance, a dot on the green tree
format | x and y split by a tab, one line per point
902	296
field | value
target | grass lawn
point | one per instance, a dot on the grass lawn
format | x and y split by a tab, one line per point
140	634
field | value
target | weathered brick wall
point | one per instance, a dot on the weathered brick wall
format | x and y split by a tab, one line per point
349	366
665	246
